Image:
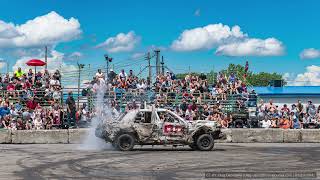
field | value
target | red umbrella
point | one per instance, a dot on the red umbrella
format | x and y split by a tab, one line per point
35	63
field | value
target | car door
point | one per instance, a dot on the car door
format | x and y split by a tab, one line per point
173	128
143	125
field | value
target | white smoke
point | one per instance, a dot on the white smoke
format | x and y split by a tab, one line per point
102	112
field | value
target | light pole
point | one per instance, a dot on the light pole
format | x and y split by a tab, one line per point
80	66
108	60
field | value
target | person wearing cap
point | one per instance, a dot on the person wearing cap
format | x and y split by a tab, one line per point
112	75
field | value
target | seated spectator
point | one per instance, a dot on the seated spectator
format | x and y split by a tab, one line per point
32	104
6	120
4	111
266	123
225	122
11	89
286	123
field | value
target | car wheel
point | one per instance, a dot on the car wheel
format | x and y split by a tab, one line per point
205	142
125	142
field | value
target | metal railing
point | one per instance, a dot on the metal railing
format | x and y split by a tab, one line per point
120	96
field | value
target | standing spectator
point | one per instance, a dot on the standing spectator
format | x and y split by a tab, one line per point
285	110
100	76
71	109
271	108
112	75
131	75
57	75
18	73
122	75
30	76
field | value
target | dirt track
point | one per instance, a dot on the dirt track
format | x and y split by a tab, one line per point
61	161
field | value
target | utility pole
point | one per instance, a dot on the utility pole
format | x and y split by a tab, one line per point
46	57
157	51
162	66
7	66
148	58
189	70
89	74
80	66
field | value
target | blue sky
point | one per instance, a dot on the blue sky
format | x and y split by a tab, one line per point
158	23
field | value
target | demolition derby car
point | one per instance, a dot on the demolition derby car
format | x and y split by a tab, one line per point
157	127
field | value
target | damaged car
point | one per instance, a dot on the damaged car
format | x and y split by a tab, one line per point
157	126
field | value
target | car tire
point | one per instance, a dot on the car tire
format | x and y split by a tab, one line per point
125	142
205	142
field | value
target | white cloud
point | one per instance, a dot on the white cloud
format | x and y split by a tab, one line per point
197	12
74	56
206	37
55	61
310	53
230	41
252	47
309	78
138	55
120	43
2	65
48	29
8	30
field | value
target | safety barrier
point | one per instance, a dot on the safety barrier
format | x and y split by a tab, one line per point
77	136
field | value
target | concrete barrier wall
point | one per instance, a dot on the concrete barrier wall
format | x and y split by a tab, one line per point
76	136
5	136
40	137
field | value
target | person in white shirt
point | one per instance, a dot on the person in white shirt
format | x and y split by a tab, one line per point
123	75
141	86
100	75
266	123
54	82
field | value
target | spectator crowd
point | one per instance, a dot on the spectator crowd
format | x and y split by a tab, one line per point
295	116
30	100
34	100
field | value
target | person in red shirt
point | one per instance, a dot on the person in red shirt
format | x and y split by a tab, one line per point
32	104
10	89
26	85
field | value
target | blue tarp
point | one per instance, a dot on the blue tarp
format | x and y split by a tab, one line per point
288	90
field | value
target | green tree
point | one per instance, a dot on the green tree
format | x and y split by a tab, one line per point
252	79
